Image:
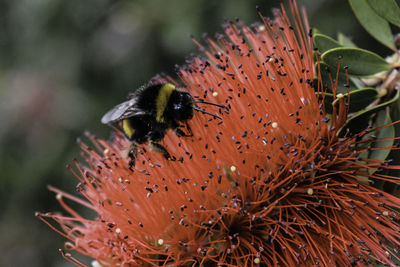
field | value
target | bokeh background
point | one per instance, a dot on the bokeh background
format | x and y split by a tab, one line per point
63	63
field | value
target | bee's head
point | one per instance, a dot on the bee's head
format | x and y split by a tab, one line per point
180	106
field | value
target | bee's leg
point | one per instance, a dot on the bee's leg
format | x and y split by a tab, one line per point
189	129
176	126
132	153
161	149
181	133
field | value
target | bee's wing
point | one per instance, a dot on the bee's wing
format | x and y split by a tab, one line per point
122	111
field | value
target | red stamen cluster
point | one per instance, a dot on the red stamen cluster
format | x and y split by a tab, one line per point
269	184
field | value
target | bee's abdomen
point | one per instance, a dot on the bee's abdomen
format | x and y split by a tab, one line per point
143	128
128	128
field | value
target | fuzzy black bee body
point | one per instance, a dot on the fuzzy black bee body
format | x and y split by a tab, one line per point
150	112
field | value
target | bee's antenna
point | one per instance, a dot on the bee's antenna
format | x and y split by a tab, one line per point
205	112
213	104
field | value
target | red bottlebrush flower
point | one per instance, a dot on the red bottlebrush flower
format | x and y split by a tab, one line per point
269	184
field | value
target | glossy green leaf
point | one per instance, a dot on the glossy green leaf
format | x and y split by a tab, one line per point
395	153
324	42
359	61
361	120
359	99
358	84
328	73
374	24
387	9
383	118
345	41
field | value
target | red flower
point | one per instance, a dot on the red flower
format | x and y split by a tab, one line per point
270	184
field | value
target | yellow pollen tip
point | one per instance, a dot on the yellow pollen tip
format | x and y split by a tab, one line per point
118	230
160	242
310	191
120	180
215	94
339	95
96	264
233	168
274	125
385	213
58	196
106	151
261	28
257	260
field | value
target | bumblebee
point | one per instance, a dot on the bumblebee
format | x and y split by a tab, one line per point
150	112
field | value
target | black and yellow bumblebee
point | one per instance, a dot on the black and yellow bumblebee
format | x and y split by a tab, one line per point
150	112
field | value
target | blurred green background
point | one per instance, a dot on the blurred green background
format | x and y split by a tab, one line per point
64	63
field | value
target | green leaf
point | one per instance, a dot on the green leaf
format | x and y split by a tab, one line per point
361	120
387	9
324	42
359	61
359	99
345	41
374	24
357	82
327	71
395	153
383	118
